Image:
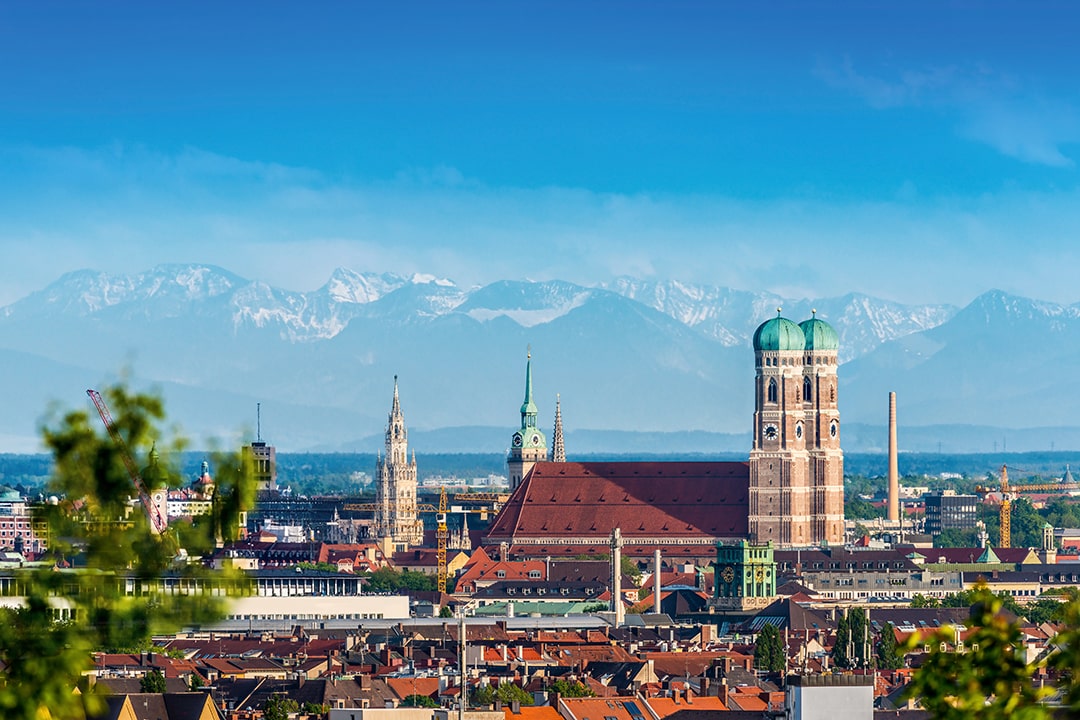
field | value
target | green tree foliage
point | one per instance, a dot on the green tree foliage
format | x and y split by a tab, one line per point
631	570
152	682
318	566
968	598
1027	524
918	600
278	707
770	654
419	701
1062	513
388	580
840	656
570	689
482	695
957	538
849	650
858	509
1043	610
446	612
888	655
506	693
1066	659
99	545
991	682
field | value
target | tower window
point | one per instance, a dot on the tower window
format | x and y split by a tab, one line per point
772	390
807	387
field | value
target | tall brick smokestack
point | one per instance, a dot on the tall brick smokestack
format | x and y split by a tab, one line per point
894	471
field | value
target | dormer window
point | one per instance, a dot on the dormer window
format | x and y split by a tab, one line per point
500	573
534	574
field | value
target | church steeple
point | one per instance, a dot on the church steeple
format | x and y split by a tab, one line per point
558	452
528	407
528	444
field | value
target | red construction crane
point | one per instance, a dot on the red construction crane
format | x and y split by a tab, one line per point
158	523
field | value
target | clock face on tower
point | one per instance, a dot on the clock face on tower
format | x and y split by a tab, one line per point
517	440
833	429
535	439
798	431
728	574
770	432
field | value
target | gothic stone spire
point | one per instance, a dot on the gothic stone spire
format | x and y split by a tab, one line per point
558	452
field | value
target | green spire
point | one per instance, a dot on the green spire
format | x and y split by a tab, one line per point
528	408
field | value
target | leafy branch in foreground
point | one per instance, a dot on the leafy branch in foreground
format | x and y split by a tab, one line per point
990	679
102	586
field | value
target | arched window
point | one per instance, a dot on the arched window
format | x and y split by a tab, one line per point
772	390
807	387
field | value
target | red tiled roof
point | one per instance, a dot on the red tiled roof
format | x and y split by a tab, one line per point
404	687
645	499
664	706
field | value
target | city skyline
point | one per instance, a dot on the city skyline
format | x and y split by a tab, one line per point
918	153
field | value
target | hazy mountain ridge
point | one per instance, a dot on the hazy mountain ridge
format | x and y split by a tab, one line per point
632	356
731	316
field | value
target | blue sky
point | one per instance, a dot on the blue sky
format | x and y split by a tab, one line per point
924	152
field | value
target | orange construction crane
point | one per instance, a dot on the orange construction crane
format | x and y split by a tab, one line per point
158	522
1008	492
442	534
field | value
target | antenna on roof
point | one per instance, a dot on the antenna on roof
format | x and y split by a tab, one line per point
258	422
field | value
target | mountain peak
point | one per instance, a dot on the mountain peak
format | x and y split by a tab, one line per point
349	286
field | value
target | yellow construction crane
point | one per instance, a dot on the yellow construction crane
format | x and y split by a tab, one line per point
1007	493
442	534
372	507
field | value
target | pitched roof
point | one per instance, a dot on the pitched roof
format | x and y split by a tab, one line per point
645	499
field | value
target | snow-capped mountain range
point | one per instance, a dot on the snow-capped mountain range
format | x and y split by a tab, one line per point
630	355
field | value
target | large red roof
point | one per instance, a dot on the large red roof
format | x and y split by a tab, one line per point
670	500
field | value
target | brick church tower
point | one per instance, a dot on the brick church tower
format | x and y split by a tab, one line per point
796	465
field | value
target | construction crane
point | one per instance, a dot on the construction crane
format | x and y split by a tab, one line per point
158	522
442	535
1008	492
372	507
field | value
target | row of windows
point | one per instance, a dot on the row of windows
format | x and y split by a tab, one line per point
807	360
771	394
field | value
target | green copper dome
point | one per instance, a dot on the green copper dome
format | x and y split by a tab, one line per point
778	334
819	335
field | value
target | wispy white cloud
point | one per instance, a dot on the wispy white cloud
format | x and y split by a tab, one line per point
291	227
907	87
991	108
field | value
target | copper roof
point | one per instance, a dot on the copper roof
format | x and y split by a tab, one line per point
645	499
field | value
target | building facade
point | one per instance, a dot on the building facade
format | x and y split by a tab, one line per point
796	464
397	525
528	445
945	510
745	576
262	459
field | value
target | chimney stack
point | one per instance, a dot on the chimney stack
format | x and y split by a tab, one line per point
894	472
656	581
